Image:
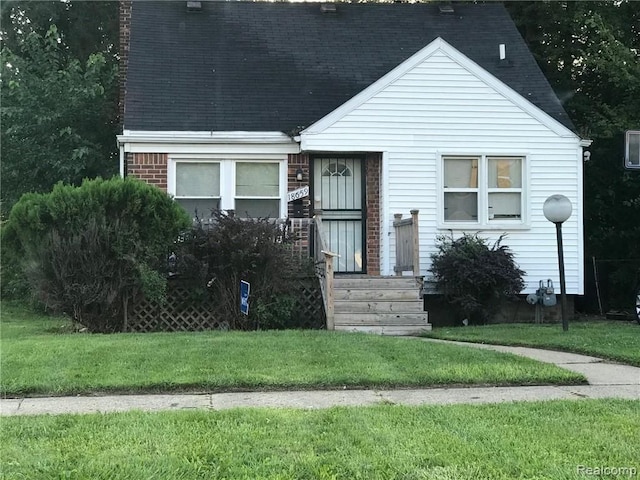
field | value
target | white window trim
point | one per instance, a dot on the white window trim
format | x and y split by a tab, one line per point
227	175
483	189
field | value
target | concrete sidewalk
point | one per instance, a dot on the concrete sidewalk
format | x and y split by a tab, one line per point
597	371
606	380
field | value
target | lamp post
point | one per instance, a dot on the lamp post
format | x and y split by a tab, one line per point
557	209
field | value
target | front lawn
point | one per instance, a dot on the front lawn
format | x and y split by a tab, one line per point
614	340
543	440
40	356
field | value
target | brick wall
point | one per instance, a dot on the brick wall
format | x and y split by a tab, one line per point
373	167
150	167
125	28
296	162
300	226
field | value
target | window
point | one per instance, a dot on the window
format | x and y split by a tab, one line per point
482	189
250	187
504	188
632	149
461	189
197	187
257	189
336	170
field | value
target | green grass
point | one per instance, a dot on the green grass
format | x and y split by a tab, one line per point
541	440
613	340
40	357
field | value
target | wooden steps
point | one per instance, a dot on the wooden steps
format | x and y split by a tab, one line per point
383	305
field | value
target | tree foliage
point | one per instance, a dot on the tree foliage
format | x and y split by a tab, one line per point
84	27
58	109
590	51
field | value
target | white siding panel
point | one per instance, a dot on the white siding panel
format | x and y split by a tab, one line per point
440	107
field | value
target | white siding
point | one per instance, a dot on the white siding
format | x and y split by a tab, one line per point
440	106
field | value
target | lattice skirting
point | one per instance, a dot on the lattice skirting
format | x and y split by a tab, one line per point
186	311
309	307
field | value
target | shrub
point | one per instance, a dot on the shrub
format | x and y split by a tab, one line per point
88	250
13	283
475	277
254	250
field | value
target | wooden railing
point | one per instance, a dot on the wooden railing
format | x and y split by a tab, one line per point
324	268
407	244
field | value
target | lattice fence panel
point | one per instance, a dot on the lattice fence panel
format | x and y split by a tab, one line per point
181	312
309	308
184	311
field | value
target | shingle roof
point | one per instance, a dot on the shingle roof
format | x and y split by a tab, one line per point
258	66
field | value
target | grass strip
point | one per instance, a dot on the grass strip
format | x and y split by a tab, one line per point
38	360
613	340
542	440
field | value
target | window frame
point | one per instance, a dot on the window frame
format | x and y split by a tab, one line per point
256	197
484	222
227	163
172	181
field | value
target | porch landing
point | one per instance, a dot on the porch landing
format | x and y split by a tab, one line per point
383	305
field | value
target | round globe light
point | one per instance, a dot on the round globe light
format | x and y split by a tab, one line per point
557	208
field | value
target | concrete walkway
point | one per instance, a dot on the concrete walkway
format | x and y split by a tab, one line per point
606	380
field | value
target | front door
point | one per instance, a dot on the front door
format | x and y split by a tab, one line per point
338	191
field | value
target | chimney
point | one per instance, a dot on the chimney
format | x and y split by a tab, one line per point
124	17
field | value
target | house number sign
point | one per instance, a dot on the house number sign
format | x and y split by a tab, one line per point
298	194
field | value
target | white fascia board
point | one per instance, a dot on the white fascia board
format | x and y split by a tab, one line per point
180	137
438	45
141	140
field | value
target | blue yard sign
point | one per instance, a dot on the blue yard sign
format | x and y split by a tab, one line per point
244	297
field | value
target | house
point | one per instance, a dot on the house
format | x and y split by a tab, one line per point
379	109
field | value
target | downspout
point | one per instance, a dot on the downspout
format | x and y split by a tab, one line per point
385	231
122	165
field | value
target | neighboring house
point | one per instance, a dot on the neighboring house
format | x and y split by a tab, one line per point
382	108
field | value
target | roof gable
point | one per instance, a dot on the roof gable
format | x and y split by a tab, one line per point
262	66
439	46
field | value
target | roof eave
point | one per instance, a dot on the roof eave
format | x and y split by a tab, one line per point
206	137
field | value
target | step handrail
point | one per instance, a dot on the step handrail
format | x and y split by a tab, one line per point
323	259
407	244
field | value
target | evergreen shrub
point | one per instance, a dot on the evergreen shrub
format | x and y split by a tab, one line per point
87	251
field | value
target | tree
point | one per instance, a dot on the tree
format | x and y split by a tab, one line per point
84	27
58	116
59	93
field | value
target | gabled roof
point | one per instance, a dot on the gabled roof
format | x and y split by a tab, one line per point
254	66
